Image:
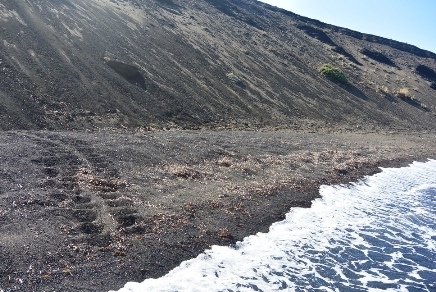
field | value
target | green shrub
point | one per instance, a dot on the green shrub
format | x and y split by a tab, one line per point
334	74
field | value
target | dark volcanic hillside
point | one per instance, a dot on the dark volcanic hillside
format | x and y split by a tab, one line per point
74	64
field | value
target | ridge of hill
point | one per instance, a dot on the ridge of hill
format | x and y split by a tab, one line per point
76	64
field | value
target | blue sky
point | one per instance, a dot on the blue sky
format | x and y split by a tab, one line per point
409	21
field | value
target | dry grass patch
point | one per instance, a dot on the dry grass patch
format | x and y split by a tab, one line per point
183	172
215	205
403	94
234	207
273	160
107	185
161	221
383	90
224	233
98	184
225	162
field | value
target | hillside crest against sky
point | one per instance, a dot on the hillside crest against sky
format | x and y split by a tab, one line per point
76	64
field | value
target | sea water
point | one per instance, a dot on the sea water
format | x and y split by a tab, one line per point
375	235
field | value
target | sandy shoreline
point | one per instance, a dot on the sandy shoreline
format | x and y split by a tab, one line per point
89	211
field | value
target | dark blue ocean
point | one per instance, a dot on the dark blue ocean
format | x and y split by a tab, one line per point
375	235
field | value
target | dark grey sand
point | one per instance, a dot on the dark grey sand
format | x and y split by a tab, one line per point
89	211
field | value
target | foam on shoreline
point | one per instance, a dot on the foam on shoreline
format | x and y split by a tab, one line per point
375	234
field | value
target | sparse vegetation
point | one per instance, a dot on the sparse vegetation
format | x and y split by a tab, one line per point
403	94
187	124
424	107
383	90
225	162
235	79
183	172
333	73
232	77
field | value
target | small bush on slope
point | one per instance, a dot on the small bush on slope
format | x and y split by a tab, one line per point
403	93
334	74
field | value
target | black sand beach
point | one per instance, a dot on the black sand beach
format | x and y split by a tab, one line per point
89	211
135	134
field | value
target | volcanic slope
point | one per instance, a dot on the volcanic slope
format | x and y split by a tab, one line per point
87	64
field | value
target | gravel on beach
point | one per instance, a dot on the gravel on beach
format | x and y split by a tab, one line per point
90	211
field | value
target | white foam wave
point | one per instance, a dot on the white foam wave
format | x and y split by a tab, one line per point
375	235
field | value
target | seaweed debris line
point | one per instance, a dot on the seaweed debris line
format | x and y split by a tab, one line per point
376	234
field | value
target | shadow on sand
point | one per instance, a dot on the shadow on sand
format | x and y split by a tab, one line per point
355	91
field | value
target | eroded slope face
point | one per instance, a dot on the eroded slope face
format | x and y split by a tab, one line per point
75	64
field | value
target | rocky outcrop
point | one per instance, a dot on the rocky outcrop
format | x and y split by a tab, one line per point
129	72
